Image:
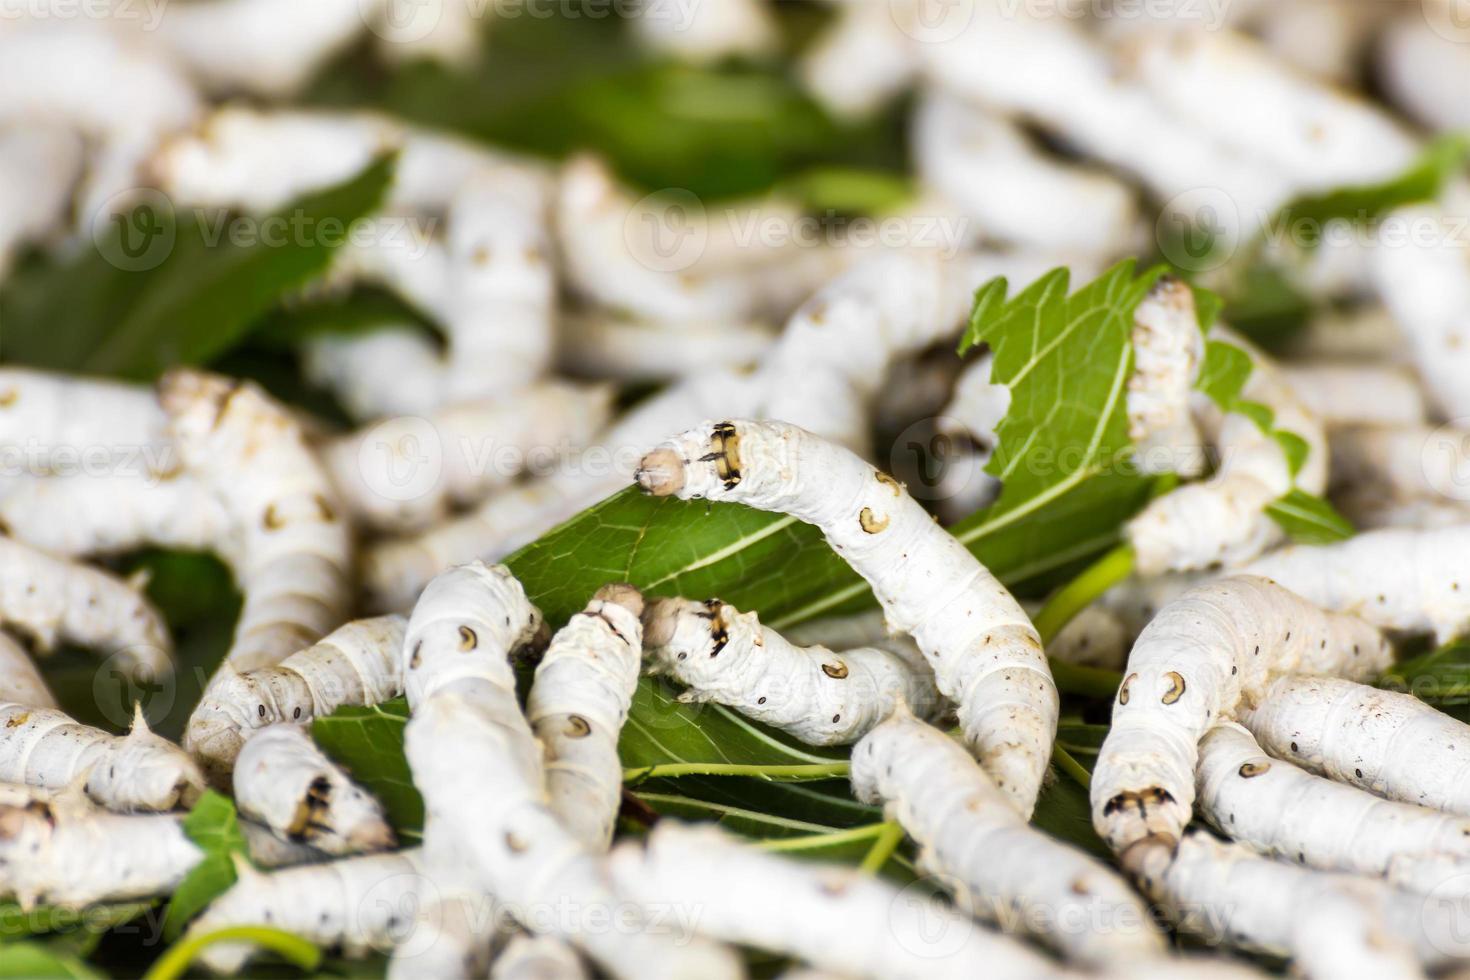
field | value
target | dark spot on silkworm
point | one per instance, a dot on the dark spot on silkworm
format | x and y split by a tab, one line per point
1249	770
1293	746
726	455
467	638
836	671
296	712
1176	687
836	718
415	660
870	523
760	700
260	711
1123	689
514	844
578	727
1358	773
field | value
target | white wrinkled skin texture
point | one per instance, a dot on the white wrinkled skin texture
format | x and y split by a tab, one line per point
54	600
1390	744
356	664
986	656
499	826
294	556
1277	809
1422	270
20	682
578	703
72	857
1205	656
479	446
537	958
993	172
886	934
358	904
819	696
1168	350
47	412
1223	520
285	782
114	512
1425	72
138	771
1329	925
1000	868
1402	578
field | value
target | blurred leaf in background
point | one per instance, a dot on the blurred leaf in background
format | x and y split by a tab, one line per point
158	288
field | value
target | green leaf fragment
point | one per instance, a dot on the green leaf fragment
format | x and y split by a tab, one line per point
214	827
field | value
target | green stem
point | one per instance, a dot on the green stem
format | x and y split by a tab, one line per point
293	948
1071	766
832	770
1083	590
1089	682
813	841
883	848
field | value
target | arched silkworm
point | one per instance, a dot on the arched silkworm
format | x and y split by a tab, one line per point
1387	743
288	784
1000	868
1223	520
52	599
1214	649
138	771
1168	351
1410	579
1275	808
358	905
355	664
888	934
578	703
469	449
819	696
985	653
75	857
293	557
499	827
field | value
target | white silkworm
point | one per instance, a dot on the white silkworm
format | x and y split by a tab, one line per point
294	553
394	370
469	450
1380	471
1204	655
819	696
1053	72
288	784
20	682
500	826
1319	136
1423	70
577	706
71	857
138	771
60	419
889	935
357	905
1366	333
1422	270
707	33
864	629
1335	393
119	95
537	958
113	513
1168	351
988	168
969	422
596	343
1385	742
355	664
39	168
999	868
1330	925
860	61
985	653
1276	808
1223	520
52	599
1397	578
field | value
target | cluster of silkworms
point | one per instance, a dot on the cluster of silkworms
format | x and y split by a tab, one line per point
1253	788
